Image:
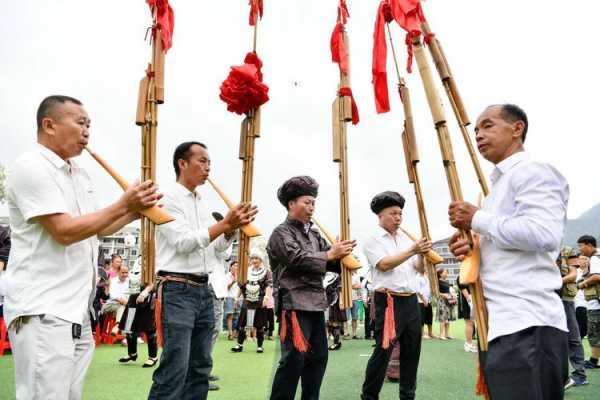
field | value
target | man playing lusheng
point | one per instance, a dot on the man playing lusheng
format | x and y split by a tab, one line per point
299	258
521	225
51	279
396	260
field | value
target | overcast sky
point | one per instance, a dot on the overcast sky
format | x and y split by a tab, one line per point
540	55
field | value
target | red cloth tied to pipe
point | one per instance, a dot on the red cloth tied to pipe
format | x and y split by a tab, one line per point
379	66
409	48
339	54
343	13
409	15
243	89
299	341
165	21
389	325
346	91
256	11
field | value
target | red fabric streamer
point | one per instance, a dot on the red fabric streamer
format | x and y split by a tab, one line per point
256	11
157	318
481	388
339	54
389	326
165	21
243	89
409	15
343	13
409	48
346	91
379	66
298	339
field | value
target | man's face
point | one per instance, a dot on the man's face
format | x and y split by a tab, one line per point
302	208
68	126
495	137
197	168
123	273
586	249
390	218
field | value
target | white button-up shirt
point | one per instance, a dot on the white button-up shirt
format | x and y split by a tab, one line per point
182	244
522	225
46	277
423	287
403	278
217	278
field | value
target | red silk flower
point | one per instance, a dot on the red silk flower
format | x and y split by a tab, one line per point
243	89
165	21
256	11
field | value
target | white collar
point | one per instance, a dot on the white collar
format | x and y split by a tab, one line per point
55	159
507	164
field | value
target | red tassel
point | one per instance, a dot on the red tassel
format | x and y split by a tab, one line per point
389	325
282	327
298	338
481	388
157	318
165	21
379	67
343	13
256	11
346	91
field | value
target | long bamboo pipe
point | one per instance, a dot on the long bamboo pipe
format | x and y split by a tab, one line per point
248	229
349	262
154	213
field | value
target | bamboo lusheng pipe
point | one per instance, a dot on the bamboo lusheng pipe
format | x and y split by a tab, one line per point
157	214
449	83
471	262
411	156
341	115
248	229
349	262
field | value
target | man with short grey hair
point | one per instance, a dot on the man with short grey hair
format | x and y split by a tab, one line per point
51	280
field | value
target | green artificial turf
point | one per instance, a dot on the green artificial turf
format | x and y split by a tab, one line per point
445	372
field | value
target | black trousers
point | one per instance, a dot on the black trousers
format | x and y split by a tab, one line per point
581	315
531	364
307	367
407	318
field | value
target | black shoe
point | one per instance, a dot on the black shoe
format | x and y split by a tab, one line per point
590	365
150	362
128	358
237	349
212	378
335	346
213	386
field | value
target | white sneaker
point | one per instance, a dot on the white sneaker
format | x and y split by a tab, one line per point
470	348
140	340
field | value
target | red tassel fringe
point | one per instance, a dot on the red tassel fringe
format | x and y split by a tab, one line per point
481	388
158	320
389	326
298	339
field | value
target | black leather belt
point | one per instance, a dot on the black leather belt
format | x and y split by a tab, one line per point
200	279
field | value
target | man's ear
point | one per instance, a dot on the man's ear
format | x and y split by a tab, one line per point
48	126
519	128
182	164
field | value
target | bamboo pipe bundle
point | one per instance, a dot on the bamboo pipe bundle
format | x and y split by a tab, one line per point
456	102
249	131
471	262
342	114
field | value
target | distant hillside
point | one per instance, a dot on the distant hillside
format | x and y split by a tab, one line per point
587	224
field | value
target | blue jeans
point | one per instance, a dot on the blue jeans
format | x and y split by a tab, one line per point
187	325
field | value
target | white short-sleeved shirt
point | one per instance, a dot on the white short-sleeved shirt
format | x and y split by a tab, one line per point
423	287
579	297
46	277
594	269
234	290
403	278
118	289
